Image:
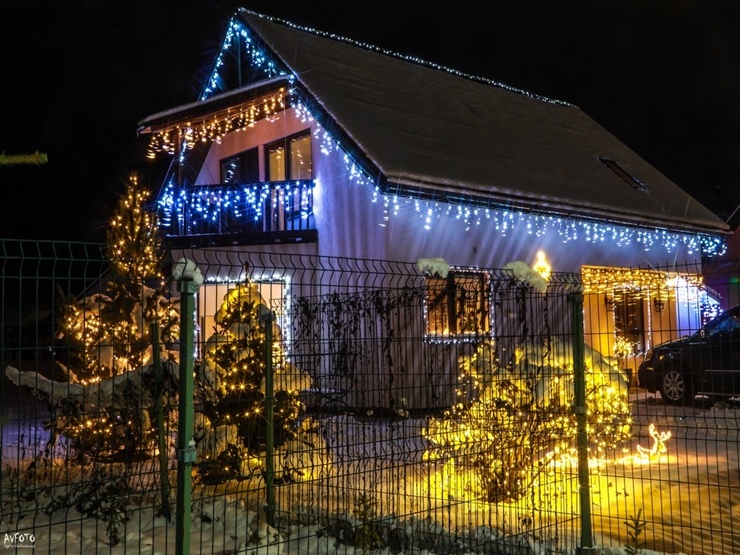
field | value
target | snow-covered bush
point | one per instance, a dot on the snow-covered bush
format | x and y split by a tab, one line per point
509	421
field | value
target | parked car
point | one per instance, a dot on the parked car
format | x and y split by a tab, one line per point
707	362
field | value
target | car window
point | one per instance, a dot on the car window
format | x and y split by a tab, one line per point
735	324
724	325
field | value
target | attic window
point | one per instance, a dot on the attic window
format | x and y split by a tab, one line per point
620	171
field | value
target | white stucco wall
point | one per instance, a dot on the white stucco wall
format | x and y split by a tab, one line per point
350	224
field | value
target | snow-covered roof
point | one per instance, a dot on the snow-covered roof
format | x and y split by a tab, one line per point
445	135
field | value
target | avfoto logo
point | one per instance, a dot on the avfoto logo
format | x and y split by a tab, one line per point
19	540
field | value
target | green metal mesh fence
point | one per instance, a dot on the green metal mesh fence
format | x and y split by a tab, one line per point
359	405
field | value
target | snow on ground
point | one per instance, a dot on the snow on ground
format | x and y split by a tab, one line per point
685	493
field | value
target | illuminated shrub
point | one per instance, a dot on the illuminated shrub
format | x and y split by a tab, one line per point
518	417
108	335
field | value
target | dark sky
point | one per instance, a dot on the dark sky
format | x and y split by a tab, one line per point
663	76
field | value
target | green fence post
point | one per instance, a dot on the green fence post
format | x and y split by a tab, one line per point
269	417
579	409
159	415
185	444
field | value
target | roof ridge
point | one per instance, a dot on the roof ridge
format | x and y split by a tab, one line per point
407	58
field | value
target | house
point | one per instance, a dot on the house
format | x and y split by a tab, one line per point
311	144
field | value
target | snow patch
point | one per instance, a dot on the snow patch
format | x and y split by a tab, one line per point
187	269
524	273
433	266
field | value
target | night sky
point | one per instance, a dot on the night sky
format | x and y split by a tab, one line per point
663	76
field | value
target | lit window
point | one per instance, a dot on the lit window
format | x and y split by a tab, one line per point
458	304
290	158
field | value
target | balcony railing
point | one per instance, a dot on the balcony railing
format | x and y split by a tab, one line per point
237	209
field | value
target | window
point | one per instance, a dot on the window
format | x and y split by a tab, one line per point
212	295
725	326
241	168
290	158
629	320
458	304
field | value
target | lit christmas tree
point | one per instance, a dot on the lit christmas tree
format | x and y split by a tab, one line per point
109	335
234	393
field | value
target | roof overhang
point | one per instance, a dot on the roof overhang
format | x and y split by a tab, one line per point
217	105
486	197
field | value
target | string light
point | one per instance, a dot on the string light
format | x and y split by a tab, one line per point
197	209
237	31
428	211
541	266
213	127
655	284
500	431
407	58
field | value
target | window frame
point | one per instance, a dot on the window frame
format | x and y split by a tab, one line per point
248	163
285	142
447	316
274	216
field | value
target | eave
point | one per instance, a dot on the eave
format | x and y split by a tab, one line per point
489	198
182	116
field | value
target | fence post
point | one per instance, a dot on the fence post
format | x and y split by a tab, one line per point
268	320
185	444
159	415
579	409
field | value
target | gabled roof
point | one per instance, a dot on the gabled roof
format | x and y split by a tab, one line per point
415	126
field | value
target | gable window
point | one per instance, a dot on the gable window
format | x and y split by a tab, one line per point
287	160
629	320
290	158
458	304
241	168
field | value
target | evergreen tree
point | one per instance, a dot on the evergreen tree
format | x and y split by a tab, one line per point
109	331
236	356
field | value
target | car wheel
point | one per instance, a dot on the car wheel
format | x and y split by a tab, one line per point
676	388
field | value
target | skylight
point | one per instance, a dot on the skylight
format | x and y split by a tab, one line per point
628	178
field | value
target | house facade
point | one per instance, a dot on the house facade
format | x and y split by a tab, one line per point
309	144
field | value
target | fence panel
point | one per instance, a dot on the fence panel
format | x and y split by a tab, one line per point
411	436
675	486
415	407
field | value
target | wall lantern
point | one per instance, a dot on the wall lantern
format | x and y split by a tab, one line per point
659	304
609	302
541	266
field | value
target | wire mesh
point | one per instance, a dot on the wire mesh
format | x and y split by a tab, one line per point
412	411
674	486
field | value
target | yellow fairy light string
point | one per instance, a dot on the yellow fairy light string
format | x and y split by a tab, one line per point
213	127
658	284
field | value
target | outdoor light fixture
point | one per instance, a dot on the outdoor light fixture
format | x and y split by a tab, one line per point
659	304
541	266
609	302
